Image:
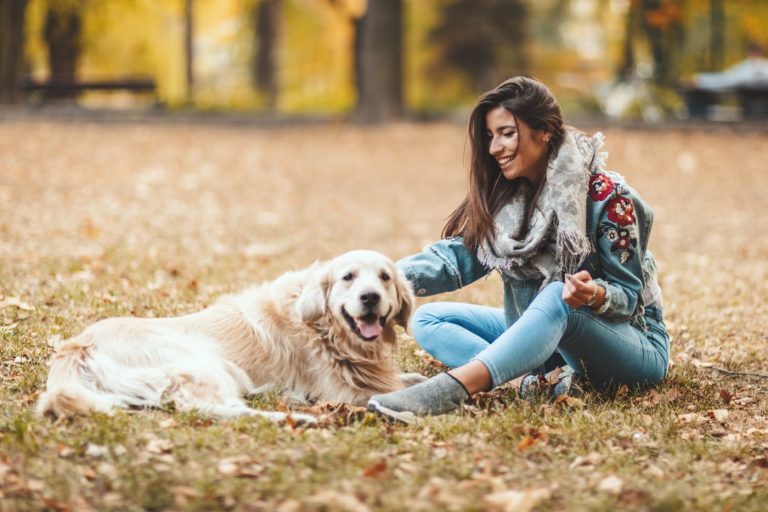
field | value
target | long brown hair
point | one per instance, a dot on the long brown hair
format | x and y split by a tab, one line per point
528	100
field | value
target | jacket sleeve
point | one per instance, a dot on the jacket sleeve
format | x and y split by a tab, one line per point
620	256
444	266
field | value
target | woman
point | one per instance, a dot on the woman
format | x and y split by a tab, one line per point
569	240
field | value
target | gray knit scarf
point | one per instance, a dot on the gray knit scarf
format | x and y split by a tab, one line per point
556	240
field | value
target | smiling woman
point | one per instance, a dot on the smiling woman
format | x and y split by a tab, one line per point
569	239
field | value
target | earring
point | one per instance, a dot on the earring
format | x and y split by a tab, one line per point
546	139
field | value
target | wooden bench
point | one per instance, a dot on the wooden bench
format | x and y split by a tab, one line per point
54	89
751	100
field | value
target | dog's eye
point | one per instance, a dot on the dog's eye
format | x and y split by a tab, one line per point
348	277
385	277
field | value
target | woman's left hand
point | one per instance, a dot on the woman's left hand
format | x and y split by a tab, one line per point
580	290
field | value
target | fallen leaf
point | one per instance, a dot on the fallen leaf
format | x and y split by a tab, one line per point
591	459
516	501
96	450
569	401
335	500
158	446
718	415
34	485
726	396
692	417
15	302
611	484
378	470
654	471
525	442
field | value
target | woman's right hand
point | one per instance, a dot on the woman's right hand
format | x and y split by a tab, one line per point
581	290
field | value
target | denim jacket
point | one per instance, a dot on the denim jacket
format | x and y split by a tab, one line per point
618	224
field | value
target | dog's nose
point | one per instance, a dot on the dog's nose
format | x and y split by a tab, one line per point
370	299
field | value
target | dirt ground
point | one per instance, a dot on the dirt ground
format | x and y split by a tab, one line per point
104	219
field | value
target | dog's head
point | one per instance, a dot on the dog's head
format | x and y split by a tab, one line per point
364	290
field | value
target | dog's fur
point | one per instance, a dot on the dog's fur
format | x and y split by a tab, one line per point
326	333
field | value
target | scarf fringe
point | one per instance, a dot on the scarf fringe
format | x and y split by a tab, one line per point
572	249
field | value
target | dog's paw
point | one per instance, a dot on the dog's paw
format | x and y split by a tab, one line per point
410	379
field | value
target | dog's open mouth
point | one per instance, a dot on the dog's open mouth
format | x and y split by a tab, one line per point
367	327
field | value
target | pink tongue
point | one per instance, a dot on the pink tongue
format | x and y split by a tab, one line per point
369	330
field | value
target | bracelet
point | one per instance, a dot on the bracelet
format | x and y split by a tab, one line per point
591	301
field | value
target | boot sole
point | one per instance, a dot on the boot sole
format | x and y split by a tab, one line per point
405	417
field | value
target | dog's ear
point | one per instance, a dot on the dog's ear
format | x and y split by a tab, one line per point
405	299
313	298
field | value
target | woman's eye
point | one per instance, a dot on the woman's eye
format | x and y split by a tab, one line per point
348	277
509	134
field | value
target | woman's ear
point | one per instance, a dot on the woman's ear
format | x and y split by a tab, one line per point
404	298
313	298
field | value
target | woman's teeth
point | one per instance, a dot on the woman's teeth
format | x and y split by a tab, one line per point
503	162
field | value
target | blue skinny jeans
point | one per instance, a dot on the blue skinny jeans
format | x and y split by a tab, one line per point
605	352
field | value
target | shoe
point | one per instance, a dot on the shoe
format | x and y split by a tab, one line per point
558	382
439	395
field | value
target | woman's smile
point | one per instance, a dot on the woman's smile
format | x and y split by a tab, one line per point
520	151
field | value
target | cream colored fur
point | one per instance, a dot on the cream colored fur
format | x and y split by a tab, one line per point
294	332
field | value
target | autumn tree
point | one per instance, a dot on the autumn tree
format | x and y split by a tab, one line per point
482	39
660	22
11	48
267	16
380	92
62	33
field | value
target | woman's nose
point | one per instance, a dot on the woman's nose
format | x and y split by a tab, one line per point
494	147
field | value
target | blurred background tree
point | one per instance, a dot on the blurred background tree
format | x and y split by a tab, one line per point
485	40
11	48
376	59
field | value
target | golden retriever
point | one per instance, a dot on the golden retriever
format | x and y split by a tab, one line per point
324	333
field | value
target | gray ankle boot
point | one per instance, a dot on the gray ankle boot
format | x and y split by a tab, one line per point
439	395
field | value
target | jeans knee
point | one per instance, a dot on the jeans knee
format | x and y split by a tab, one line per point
423	321
550	299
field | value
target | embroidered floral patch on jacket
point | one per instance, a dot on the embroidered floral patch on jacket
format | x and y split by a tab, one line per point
623	239
600	186
621	231
621	211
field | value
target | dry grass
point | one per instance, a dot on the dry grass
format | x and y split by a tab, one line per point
100	220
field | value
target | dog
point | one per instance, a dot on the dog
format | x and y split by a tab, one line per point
325	333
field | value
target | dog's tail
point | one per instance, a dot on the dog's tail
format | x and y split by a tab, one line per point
80	381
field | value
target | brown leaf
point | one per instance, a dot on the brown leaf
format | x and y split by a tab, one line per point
569	401
726	396
525	442
718	415
378	470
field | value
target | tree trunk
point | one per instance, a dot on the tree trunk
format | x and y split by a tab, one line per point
380	96
63	26
11	49
717	37
189	49
628	49
265	70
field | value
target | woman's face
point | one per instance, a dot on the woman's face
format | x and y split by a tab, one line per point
520	151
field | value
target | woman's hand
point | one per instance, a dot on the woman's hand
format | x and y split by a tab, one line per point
580	290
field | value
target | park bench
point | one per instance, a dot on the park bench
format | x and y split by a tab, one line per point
52	89
751	100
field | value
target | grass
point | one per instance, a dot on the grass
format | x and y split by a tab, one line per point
99	220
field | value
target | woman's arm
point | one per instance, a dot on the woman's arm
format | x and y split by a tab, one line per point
444	266
620	255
